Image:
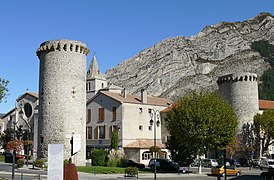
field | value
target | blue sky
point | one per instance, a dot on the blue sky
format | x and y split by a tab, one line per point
114	29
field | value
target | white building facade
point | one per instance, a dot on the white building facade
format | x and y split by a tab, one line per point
130	115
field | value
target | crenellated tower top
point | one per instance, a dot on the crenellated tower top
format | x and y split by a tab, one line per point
237	77
62	45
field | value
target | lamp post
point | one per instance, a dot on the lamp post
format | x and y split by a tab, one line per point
154	121
25	113
13	153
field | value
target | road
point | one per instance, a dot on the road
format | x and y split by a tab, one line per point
30	174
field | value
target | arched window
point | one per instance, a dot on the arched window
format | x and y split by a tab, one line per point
147	155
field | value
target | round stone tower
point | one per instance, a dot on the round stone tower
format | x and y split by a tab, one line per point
241	91
62	97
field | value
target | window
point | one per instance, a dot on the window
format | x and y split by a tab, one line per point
102	85
89	132
102	132
111	129
89	116
140	110
149	111
150	128
114	114
146	155
101	116
140	127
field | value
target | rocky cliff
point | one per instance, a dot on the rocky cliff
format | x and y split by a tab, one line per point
178	65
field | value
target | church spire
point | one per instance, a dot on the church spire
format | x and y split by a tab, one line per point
93	70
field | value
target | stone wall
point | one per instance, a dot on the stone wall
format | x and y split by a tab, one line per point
62	97
241	91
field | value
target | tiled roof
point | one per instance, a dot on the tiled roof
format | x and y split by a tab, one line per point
33	94
137	100
266	104
144	144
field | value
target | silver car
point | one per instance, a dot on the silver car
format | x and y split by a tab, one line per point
209	163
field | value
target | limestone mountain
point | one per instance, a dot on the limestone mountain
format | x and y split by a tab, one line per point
178	65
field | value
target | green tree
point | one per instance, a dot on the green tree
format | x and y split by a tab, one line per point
5	137
114	140
199	123
266	88
3	89
264	128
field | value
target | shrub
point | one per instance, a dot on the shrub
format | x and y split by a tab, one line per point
39	163
112	163
98	157
131	171
20	162
66	162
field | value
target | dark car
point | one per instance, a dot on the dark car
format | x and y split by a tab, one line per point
9	157
163	165
234	162
132	163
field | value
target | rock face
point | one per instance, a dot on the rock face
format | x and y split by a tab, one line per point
178	65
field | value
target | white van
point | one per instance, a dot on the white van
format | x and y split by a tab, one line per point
267	164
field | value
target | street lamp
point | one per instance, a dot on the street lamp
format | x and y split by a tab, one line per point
13	153
26	113
155	121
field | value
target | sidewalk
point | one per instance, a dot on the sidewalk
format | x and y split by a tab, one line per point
88	176
28	171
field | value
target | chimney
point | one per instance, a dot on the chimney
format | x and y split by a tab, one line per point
144	96
124	93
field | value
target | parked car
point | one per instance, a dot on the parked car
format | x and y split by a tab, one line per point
234	162
244	162
163	165
255	163
132	163
267	164
230	171
9	158
209	163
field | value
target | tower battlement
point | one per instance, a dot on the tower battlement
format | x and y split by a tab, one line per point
237	77
62	45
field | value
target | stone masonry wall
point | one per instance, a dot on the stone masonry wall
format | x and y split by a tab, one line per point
62	97
241	91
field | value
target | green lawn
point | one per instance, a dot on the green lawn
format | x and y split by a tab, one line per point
105	170
2	158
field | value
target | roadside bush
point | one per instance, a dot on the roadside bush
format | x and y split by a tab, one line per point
39	163
20	162
98	157
66	162
131	171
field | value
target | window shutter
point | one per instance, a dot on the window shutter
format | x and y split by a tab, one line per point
110	131
90	132
96	133
89	115
104	132
101	115
86	132
114	113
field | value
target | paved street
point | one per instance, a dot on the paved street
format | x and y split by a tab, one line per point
30	174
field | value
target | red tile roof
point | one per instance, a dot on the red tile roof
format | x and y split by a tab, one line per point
144	144
137	100
266	104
